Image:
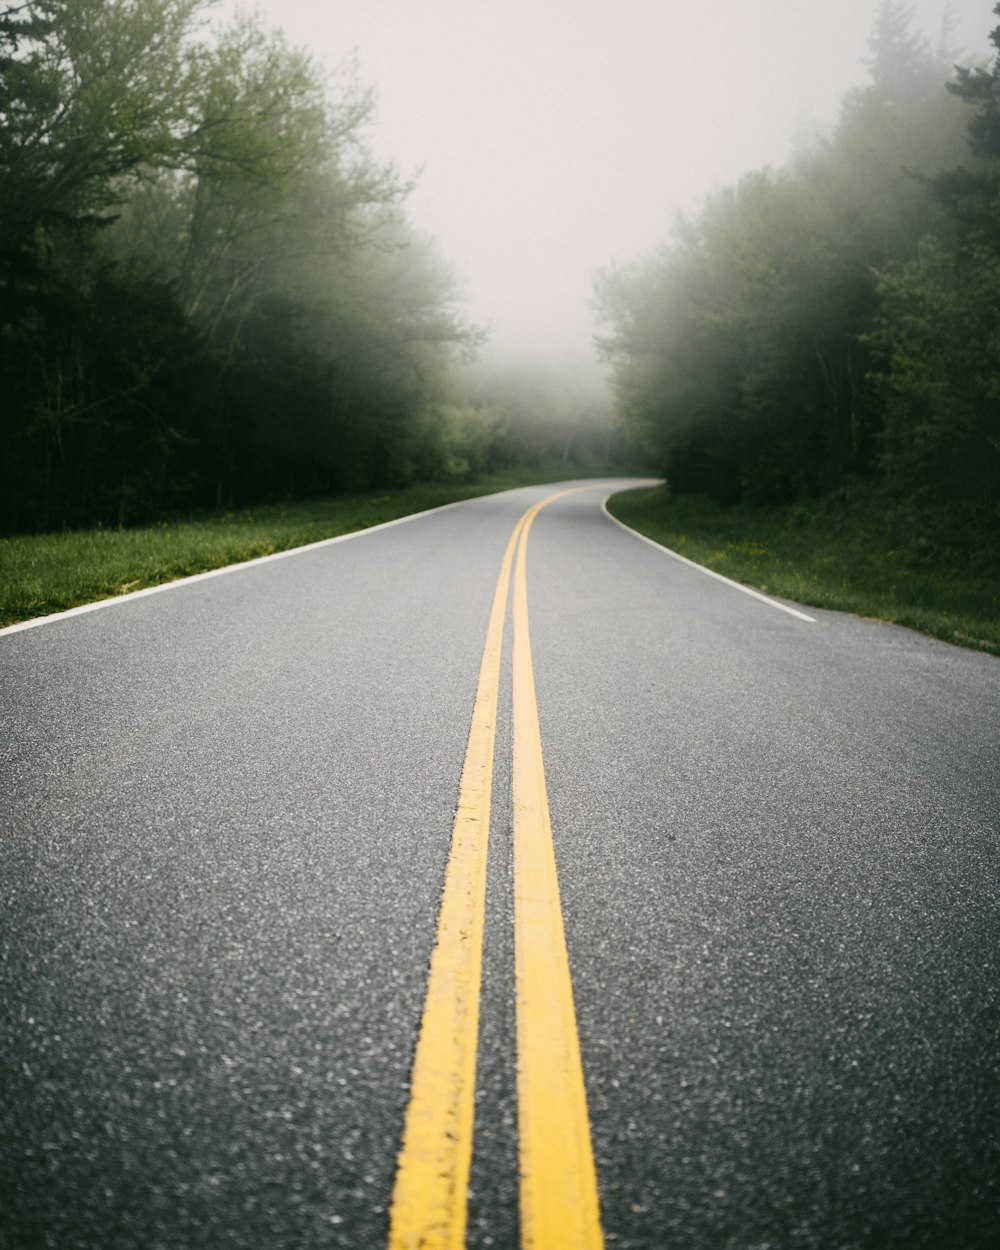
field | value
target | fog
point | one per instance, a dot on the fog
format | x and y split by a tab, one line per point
552	138
214	299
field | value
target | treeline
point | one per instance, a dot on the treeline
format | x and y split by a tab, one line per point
209	291
552	414
837	321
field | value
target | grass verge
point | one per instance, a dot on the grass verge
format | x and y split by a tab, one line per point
44	573
853	553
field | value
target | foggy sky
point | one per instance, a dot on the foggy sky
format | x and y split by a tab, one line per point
555	137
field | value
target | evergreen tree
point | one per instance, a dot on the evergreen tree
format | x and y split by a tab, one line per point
938	330
904	70
980	87
970	192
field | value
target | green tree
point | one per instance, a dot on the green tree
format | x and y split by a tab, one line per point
970	192
550	412
93	91
937	335
905	72
740	354
202	296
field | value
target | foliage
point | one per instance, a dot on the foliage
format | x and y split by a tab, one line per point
45	573
836	321
549	413
92	91
937	338
208	290
864	551
937	332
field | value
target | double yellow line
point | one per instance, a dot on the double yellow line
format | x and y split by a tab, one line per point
558	1195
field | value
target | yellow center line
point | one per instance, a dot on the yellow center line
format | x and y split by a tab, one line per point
558	1185
429	1198
559	1201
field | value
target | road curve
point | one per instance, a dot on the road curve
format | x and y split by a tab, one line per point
225	822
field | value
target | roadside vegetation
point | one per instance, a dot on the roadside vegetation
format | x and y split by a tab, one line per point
854	554
813	362
214	312
220	335
210	293
44	573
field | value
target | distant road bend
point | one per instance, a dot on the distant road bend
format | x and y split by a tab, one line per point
704	955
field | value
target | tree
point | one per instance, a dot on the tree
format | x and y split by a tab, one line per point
937	335
207	292
970	192
980	88
741	353
937	339
93	91
905	72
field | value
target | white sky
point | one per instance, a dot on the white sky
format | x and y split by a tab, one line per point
555	137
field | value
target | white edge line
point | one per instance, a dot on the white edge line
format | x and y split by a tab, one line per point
35	621
782	607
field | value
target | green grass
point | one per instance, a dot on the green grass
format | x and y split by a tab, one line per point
43	573
854	553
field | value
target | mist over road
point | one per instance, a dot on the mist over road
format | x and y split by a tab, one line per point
225	820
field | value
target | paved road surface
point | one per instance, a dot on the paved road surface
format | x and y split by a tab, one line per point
224	827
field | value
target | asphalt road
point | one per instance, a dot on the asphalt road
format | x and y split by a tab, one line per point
224	824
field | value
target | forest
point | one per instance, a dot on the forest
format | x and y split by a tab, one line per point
834	326
210	294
